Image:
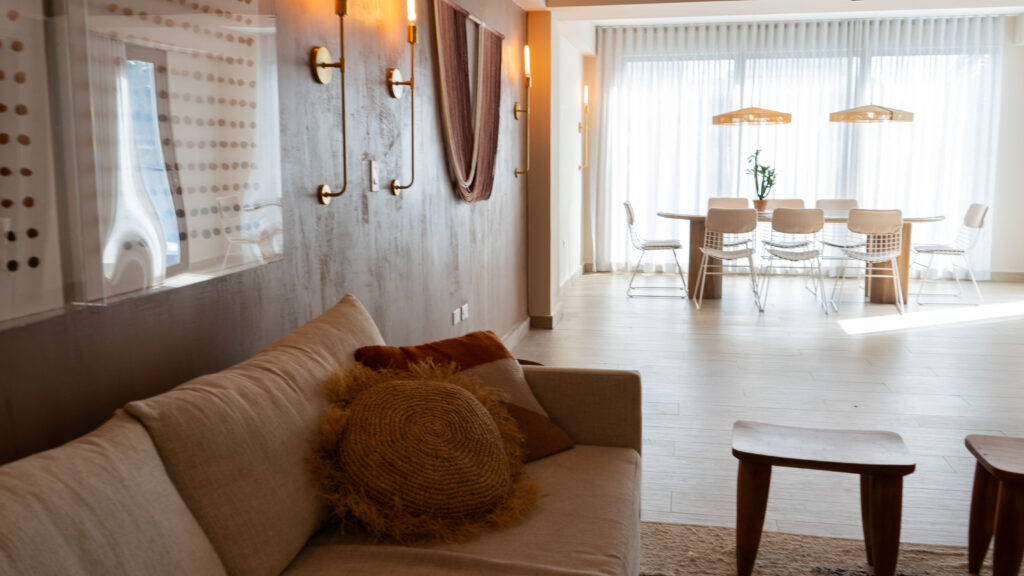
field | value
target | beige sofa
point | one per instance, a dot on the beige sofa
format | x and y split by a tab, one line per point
212	478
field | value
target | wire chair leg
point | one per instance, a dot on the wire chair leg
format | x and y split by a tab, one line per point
629	289
702	275
970	272
753	283
840	277
924	278
820	287
896	286
766	278
956	276
681	277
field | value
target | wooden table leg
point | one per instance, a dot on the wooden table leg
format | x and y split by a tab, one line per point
1009	548
751	501
713	284
886	513
983	517
881	291
865	514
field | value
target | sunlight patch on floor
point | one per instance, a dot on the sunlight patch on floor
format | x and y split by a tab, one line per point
944	317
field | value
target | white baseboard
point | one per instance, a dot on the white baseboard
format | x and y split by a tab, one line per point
516	335
1007	276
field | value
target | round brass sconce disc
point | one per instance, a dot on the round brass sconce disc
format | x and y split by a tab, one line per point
395	76
396	188
323	194
320	61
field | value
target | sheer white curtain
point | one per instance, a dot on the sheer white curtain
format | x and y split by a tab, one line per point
662	85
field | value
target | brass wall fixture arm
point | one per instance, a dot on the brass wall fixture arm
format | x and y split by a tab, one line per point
322	66
516	112
395	85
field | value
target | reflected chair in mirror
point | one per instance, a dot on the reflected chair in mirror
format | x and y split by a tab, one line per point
795	236
877	237
645	246
959	250
240	232
719	224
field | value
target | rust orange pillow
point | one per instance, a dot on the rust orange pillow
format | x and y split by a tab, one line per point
483	356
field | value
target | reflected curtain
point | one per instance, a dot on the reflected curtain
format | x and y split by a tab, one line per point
470	115
662	85
133	250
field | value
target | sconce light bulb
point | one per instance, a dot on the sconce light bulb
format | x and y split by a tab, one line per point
526	60
586	95
411	7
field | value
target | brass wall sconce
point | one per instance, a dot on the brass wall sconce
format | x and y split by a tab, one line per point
518	110
585	127
323	66
396	89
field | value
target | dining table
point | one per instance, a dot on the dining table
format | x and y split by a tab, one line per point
879	290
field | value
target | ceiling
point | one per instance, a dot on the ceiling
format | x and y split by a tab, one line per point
579	17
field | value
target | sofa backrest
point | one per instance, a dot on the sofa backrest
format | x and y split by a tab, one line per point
100	504
237	443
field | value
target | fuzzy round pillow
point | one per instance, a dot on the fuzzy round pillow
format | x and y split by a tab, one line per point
420	453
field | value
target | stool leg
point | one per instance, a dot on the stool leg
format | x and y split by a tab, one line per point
886	512
865	513
751	501
983	517
1009	549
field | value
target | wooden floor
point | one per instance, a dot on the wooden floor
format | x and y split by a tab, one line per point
704	369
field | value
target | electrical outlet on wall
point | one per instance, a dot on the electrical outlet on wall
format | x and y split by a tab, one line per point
465	311
374	180
456	316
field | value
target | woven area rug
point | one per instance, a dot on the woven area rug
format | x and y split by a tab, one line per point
686	550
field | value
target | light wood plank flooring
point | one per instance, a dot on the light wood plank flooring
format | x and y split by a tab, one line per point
704	369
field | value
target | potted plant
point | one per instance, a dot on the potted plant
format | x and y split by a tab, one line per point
764	179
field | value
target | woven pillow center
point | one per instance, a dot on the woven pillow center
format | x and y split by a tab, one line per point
433	447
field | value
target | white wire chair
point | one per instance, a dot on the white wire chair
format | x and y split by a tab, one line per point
645	246
795	233
877	238
960	249
722	222
836	236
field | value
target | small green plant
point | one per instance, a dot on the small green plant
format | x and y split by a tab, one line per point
764	176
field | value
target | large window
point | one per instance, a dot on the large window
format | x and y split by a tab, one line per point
663	85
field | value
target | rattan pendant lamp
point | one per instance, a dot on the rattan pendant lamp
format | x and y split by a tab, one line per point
752	116
871	113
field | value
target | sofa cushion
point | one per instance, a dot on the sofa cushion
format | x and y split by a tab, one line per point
482	355
587	521
237	443
101	504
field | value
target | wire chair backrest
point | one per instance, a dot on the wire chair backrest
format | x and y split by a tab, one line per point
728	202
969	233
882	230
798	220
731	221
836	203
638	242
770	205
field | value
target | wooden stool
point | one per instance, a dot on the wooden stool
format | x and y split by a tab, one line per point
880	458
997	503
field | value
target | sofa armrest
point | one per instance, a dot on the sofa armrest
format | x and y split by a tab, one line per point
598	407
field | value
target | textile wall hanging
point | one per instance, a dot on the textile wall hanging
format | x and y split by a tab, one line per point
470	116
